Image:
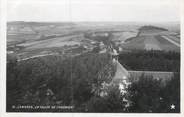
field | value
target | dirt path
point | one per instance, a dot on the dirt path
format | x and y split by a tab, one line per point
173	42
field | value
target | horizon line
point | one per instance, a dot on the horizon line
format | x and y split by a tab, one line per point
96	21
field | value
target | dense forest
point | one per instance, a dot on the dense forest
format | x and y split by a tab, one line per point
56	81
148	95
78	81
154	60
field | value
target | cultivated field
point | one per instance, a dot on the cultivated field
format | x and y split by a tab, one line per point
28	39
152	40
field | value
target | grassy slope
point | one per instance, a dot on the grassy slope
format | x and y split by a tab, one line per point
139	43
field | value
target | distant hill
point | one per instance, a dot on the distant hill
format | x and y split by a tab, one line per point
152	28
150	38
24	23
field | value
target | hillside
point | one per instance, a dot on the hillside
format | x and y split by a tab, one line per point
153	38
144	28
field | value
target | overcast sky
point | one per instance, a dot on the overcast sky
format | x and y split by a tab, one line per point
94	10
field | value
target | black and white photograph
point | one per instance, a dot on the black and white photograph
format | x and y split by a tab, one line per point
93	56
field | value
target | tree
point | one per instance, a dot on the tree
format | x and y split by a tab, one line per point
171	95
113	102
150	95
